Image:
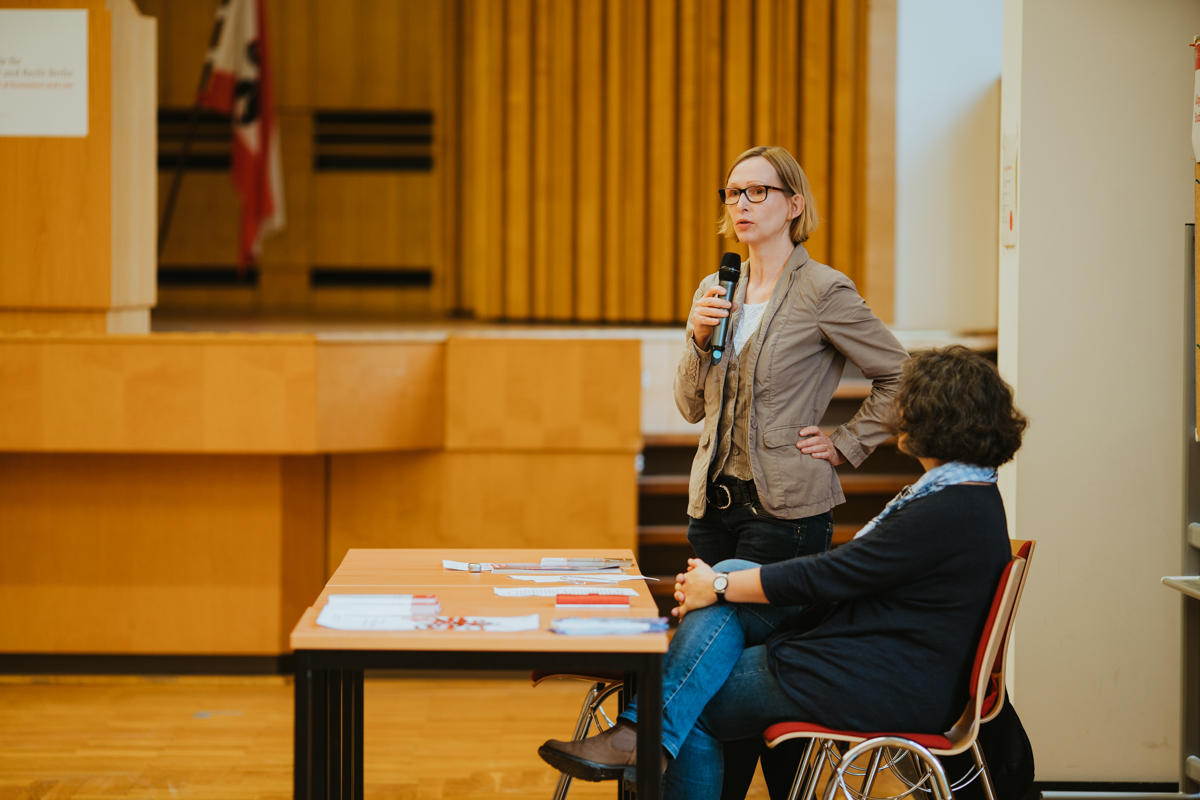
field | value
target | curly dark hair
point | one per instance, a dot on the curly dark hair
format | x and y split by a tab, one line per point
954	406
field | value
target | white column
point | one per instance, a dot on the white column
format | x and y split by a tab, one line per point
1090	322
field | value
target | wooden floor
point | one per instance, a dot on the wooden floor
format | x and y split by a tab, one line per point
226	738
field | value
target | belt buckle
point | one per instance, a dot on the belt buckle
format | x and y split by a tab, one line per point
728	496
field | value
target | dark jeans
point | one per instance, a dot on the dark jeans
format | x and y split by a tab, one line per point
746	531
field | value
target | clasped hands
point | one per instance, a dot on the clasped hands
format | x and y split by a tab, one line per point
694	588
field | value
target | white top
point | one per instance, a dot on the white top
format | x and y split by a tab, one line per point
748	323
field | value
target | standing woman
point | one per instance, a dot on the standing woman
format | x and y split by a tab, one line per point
763	484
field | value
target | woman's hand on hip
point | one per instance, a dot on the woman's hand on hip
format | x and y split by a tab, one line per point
818	445
707	314
694	588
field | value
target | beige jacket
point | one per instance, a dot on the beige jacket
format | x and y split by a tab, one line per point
814	321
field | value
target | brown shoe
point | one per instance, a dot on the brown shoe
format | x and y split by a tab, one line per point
604	757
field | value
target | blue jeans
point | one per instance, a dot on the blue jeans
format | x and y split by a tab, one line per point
717	688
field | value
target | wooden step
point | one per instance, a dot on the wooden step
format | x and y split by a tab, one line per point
676	535
852	484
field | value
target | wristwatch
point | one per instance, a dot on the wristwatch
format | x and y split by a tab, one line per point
720	584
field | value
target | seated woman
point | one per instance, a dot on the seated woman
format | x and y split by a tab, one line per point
876	635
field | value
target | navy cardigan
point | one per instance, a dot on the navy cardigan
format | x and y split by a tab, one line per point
898	614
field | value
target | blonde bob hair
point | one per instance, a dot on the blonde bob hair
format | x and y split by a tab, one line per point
794	180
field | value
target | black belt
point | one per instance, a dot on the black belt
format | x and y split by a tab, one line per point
725	491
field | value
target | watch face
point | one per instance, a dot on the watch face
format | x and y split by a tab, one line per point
720	582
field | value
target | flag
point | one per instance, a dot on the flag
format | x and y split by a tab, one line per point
239	84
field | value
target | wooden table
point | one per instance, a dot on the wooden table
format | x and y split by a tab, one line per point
330	663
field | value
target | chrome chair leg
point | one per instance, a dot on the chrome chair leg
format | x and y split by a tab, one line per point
582	726
802	768
941	786
985	775
873	771
810	785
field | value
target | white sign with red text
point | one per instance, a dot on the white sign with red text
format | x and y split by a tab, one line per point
43	72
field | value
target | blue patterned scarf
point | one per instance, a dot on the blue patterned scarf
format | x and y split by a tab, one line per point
934	480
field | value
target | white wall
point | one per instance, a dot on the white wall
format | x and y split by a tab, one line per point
947	122
1091	330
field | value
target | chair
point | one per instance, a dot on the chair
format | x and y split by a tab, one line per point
984	703
603	686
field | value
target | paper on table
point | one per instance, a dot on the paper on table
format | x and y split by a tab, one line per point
355	621
463	566
553	591
581	578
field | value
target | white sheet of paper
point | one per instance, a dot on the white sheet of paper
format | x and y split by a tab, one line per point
356	620
580	579
463	566
554	591
43	72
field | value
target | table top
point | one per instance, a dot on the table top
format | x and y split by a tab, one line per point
419	571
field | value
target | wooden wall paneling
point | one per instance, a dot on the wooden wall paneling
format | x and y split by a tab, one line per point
738	78
711	166
283	269
373	219
689	229
380	396
204	230
184	31
56	246
787	98
560	277
764	70
447	152
540	265
543	394
613	156
538	500
375	53
391	500
482	187
589	161
134	107
661	252
844	139
193	393
385	500
140	554
635	187
303	518
815	117
291	52
517	204
879	174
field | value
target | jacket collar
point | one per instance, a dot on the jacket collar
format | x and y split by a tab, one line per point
787	277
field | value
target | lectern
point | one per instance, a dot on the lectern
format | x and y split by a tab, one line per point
77	203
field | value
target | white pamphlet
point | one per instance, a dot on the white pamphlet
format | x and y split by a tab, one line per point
554	591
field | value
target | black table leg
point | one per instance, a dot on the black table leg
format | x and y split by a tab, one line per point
312	730
627	693
329	732
649	742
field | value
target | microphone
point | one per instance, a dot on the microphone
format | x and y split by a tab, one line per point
731	270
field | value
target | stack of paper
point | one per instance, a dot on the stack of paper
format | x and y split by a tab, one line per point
378	612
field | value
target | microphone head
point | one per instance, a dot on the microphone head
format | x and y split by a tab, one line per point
731	268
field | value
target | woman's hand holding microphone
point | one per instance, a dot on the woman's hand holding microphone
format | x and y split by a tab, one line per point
707	315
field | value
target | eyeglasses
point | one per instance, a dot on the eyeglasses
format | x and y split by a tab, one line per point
755	194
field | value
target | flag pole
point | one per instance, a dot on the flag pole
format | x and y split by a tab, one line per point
177	180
